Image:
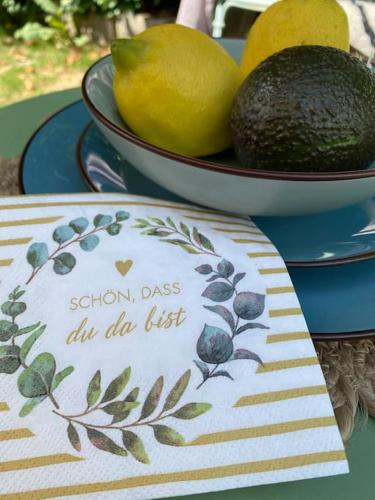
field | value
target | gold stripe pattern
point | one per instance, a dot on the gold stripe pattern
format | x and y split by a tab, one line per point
263	430
15	241
271	397
285	364
288	311
263	254
4	406
285	337
28	222
31	463
273	270
245	241
237	231
15	434
280	289
255	467
205	219
5	262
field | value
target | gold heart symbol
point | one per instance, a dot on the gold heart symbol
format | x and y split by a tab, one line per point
123	266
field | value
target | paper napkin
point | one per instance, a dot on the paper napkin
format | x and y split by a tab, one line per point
151	349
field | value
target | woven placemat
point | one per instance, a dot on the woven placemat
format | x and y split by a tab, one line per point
348	367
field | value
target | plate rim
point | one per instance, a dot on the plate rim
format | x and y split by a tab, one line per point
318	337
290	263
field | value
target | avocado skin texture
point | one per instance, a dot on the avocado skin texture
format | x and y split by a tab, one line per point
306	109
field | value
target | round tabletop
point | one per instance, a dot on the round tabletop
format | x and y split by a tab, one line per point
17	122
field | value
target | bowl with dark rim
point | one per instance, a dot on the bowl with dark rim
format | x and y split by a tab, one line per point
219	181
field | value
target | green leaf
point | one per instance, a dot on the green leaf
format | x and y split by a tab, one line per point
62	234
122	215
64	263
13	309
9	358
27	329
89	243
192	410
29	342
152	399
73	437
37	255
166	435
206	243
204	269
185	229
151	231
30	405
203	368
142	222
134	445
104	443
7	330
119	407
157	221
94	389
11	296
117	385
171	223
190	249
36	380
17	295
161	233
114	229
79	225
130	398
101	220
177	391
59	377
196	236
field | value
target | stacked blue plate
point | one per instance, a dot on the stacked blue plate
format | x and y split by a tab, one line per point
330	256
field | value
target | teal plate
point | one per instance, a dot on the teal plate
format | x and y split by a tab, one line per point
67	154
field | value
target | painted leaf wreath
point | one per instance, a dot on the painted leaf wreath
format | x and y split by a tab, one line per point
76	232
38	378
38	381
215	346
120	410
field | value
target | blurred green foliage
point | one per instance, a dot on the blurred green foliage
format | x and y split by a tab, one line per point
42	20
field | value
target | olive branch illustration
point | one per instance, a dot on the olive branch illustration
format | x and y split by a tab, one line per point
38	381
76	232
215	346
190	240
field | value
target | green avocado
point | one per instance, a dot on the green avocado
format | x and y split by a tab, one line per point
306	109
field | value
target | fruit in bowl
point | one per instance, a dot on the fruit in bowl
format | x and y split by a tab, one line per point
174	87
217	181
306	108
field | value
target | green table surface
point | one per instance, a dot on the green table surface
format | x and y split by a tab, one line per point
17	122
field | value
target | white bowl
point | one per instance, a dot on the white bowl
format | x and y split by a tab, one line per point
216	182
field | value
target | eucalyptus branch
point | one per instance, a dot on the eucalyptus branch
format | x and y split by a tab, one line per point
61	247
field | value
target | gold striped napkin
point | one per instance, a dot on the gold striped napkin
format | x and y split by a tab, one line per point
153	349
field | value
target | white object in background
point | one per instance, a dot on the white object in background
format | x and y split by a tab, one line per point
361	17
222	8
196	14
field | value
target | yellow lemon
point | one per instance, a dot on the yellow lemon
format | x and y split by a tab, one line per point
287	23
174	87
